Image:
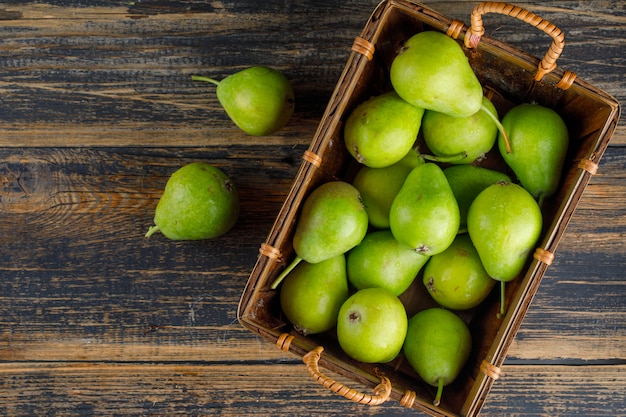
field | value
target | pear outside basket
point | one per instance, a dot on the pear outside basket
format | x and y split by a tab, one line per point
510	77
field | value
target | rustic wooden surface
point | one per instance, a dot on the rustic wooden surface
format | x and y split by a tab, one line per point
97	109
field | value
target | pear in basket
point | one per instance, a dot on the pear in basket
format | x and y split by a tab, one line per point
425	215
380	131
333	220
431	71
437	345
539	140
504	222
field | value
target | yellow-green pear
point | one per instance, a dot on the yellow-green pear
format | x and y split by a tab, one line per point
379	186
425	215
431	71
380	131
437	345
312	294
381	261
539	140
332	221
259	100
504	222
467	181
199	201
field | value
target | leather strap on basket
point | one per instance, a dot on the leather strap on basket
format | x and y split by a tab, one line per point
364	47
566	81
490	370
284	341
382	391
476	31
408	398
544	256
455	28
312	158
270	251
589	166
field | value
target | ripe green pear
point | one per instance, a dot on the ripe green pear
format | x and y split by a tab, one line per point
431	71
467	181
380	131
381	261
504	222
539	140
312	294
461	140
199	202
332	221
437	345
456	278
372	325
259	100
425	215
379	186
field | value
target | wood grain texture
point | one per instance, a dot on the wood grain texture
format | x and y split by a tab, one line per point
97	109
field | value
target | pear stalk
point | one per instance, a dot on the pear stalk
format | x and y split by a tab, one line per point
152	230
507	144
203	78
285	272
439	392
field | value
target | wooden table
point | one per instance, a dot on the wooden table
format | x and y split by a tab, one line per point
97	109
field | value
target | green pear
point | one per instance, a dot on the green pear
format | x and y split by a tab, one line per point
380	131
259	100
312	294
539	140
381	261
332	221
504	222
371	325
456	278
199	202
379	186
425	214
437	345
431	71
467	181
461	140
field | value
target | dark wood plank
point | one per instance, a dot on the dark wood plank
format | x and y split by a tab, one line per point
262	389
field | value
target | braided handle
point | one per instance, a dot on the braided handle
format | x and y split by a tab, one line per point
476	30
381	392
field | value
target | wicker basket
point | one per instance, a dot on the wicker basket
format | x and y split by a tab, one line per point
511	77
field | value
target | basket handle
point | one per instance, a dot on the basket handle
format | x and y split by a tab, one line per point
382	391
476	30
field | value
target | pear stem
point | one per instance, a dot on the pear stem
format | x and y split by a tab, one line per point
285	272
507	144
152	230
502	300
451	158
439	392
203	78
